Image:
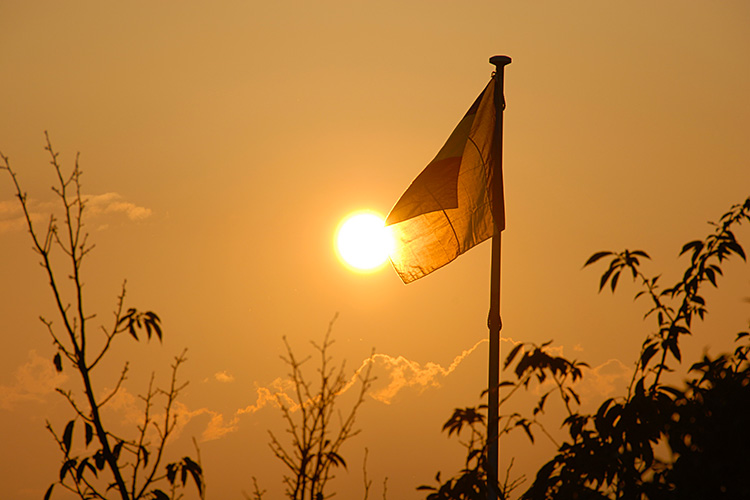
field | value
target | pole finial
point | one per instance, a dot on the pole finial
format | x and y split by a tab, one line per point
500	61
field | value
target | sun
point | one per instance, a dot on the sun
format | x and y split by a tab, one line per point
363	242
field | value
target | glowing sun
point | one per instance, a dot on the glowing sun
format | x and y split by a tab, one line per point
363	242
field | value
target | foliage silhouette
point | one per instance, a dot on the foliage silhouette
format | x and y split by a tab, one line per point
533	368
613	454
136	463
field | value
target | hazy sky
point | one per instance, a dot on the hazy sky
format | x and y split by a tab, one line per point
224	142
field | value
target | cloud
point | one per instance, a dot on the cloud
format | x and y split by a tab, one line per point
12	218
224	377
111	203
606	380
33	381
217	427
129	408
399	373
100	208
402	372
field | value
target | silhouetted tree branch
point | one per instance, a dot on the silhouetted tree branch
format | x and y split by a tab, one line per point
316	437
79	473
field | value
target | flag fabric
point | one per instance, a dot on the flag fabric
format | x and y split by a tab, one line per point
449	208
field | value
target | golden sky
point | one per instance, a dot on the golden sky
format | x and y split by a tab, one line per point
223	142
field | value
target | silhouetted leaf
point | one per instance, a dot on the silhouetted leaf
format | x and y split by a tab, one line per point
613	283
736	248
172	472
527	428
68	436
126	317
82	468
152	323
145	454
49	492
511	355
99	459
89	433
117	449
674	348
66	467
159	495
596	257
648	353
575	395
58	362
157	328
197	472
606	275
696	246
336	459
711	275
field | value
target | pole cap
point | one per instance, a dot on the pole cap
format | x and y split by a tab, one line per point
500	61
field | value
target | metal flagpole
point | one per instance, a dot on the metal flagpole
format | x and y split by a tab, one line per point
493	321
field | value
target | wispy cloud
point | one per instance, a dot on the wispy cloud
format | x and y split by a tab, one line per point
222	377
605	380
100	208
112	203
398	373
33	381
402	373
218	426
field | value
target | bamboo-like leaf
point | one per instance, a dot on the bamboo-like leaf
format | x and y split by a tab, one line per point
670	344
89	433
68	436
737	248
49	492
648	353
82	468
66	467
606	276
596	257
157	327
696	246
145	454
613	283
511	355
197	473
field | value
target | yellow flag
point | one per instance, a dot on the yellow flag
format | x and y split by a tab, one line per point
449	207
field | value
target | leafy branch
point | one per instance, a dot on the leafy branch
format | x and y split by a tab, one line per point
81	474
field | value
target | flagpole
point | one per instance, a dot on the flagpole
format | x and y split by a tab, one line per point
494	321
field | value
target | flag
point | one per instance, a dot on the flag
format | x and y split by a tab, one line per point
449	207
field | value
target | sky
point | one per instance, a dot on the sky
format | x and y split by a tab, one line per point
222	143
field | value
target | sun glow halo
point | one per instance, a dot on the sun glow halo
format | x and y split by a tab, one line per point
363	242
